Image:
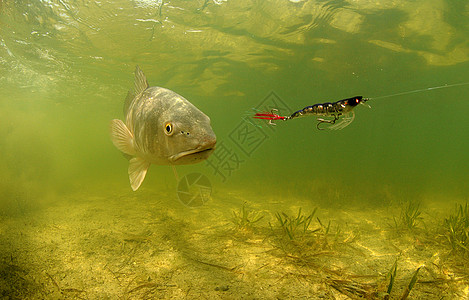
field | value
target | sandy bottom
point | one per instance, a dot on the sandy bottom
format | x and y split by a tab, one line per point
145	245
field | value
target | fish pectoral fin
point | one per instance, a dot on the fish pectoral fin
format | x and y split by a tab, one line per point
121	137
137	170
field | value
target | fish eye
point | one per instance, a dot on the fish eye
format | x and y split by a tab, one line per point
168	128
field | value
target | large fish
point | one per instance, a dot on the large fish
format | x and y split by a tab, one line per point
162	128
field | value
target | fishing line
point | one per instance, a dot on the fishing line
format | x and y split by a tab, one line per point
421	90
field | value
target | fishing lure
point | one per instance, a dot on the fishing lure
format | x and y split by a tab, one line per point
334	111
341	111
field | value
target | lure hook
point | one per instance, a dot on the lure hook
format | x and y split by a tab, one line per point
321	120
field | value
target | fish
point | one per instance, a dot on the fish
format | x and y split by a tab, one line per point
162	128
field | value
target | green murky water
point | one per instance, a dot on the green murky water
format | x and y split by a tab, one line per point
70	227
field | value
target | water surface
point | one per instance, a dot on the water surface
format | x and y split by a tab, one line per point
65	70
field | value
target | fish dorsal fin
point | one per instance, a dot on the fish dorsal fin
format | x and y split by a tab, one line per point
121	137
140	83
137	170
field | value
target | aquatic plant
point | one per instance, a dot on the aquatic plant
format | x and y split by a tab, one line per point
245	219
297	240
372	290
392	278
410	215
293	226
411	284
295	237
457	227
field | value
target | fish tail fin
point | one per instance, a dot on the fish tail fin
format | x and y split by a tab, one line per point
137	170
121	137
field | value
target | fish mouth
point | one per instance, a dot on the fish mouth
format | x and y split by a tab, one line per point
198	152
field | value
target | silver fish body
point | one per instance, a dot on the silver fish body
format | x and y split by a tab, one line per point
161	127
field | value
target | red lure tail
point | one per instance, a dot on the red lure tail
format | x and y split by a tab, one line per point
268	116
